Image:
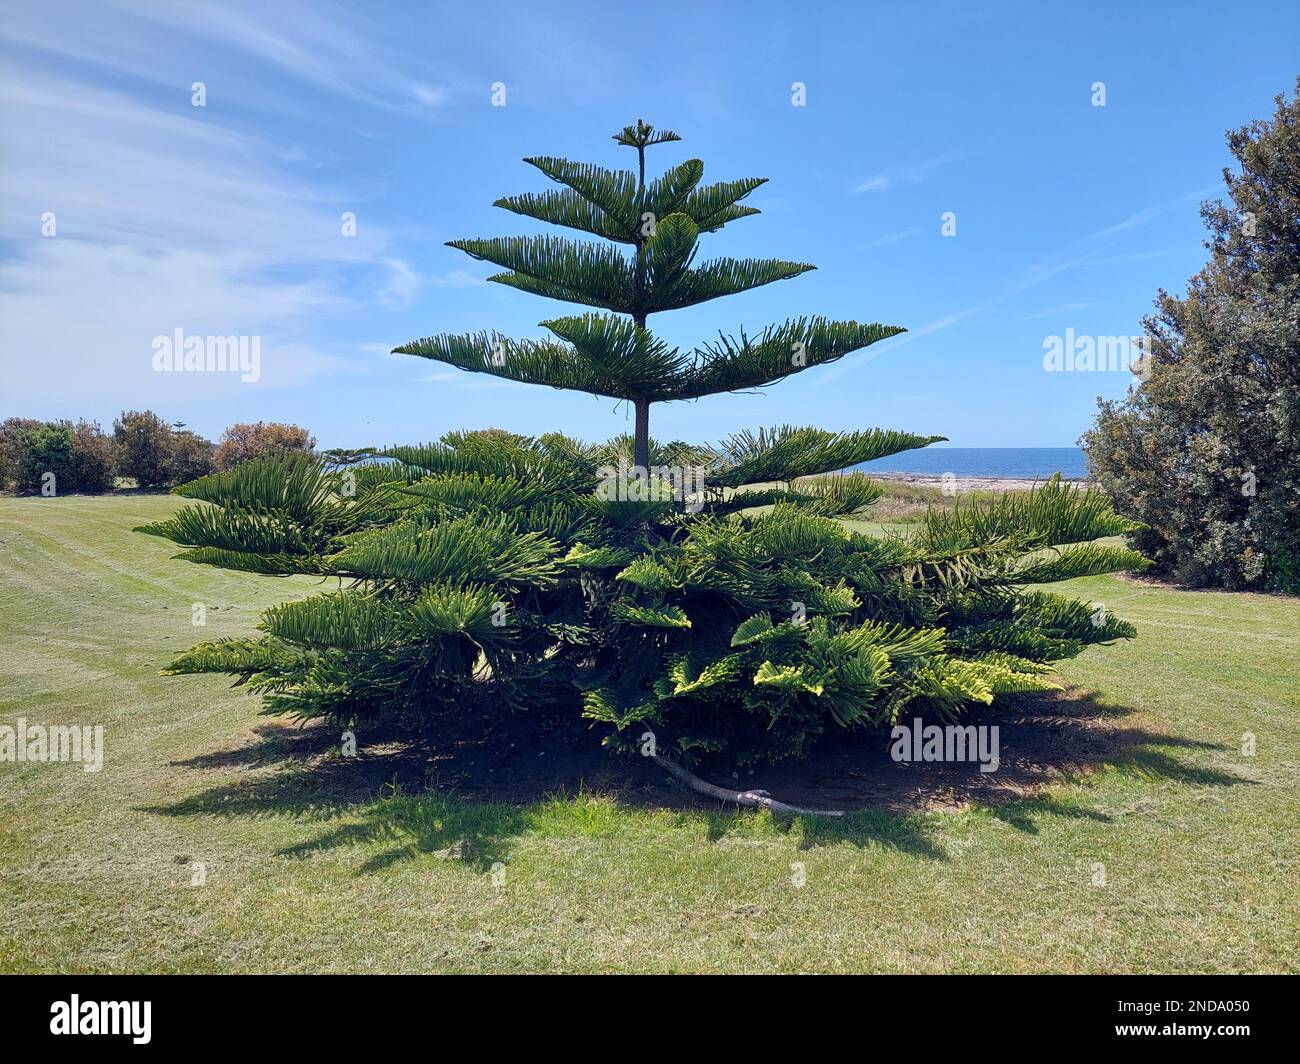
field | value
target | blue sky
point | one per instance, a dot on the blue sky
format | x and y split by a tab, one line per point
225	219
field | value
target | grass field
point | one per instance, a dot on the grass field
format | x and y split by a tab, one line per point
1200	844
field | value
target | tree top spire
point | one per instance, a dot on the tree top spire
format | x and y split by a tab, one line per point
661	221
643	134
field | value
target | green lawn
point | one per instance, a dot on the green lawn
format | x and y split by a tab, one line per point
1200	844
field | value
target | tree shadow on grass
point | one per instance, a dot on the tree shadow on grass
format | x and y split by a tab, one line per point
478	835
465	796
385	798
906	832
274	744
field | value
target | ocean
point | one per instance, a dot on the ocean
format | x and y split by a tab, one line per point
1037	462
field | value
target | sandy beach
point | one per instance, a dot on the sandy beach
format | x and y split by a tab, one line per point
962	484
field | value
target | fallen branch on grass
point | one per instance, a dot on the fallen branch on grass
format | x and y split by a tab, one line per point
753	799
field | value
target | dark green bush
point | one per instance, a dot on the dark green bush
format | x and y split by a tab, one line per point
11	448
145	444
1205	452
81	457
191	457
157	454
46	451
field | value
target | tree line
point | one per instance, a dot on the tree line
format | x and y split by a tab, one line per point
63	456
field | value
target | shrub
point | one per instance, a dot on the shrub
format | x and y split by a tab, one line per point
11	448
94	458
192	457
1205	452
145	445
244	440
80	456
156	454
47	449
693	600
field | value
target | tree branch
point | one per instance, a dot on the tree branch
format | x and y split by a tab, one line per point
752	799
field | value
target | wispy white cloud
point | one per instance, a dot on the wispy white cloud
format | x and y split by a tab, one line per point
159	178
78	320
1056	311
1138	256
402	284
244	52
838	369
163	220
1146	214
430	95
469	381
1136	219
456	279
321	44
901	176
1064	260
894	238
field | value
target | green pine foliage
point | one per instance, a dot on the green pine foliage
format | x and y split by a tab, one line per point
709	594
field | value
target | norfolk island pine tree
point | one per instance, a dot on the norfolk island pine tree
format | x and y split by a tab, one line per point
492	557
619	357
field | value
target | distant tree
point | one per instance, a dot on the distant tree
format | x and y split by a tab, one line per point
11	448
94	458
192	457
80	456
342	457
144	442
47	449
157	454
246	440
1206	450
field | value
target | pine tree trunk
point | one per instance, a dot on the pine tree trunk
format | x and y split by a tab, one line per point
641	455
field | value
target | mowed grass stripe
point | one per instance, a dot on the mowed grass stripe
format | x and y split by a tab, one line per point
1199	844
